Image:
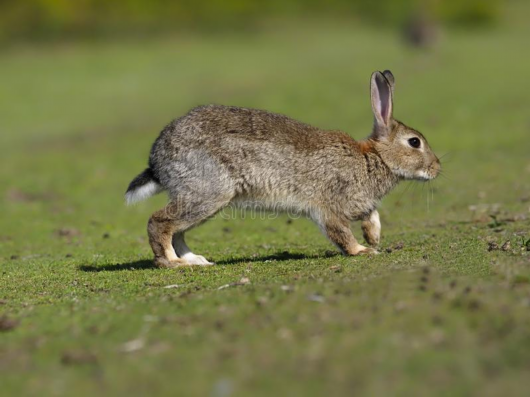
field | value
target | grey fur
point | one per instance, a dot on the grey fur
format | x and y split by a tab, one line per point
220	155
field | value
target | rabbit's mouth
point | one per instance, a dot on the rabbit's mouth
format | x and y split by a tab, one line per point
423	176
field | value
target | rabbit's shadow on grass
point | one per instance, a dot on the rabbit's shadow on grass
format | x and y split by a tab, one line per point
135	265
148	264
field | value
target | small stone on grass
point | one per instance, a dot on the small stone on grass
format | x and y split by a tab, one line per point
132	345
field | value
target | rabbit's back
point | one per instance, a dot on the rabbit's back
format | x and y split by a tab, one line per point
216	123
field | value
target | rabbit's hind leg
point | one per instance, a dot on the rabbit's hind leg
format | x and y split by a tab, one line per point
160	229
173	220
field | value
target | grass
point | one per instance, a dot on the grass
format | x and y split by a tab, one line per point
436	313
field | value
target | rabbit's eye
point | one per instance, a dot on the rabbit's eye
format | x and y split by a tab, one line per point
414	142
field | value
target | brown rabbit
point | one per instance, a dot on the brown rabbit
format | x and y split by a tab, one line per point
220	155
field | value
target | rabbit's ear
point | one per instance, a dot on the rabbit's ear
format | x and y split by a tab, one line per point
390	78
381	93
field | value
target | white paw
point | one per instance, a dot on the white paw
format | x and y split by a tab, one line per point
193	259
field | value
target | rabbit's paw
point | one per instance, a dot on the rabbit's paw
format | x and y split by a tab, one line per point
368	251
170	263
193	259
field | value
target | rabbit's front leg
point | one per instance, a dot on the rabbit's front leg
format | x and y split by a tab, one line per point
371	227
339	233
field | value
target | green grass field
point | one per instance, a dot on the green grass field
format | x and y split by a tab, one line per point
441	311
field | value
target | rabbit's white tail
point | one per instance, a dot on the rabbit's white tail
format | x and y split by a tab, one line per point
142	187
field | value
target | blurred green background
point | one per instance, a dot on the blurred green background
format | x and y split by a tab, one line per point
85	88
45	19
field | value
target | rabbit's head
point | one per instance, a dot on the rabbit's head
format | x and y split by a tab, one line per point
404	150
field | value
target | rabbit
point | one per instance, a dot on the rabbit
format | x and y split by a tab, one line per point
215	156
